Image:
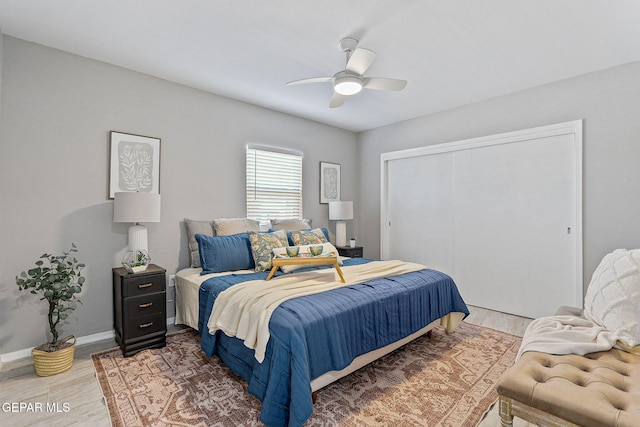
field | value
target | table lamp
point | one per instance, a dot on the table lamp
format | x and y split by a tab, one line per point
340	211
136	207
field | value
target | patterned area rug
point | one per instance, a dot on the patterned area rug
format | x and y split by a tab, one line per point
445	380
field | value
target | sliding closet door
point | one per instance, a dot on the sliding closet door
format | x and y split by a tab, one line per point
514	221
501	216
420	206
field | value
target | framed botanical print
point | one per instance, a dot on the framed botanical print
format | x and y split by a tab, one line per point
329	182
135	163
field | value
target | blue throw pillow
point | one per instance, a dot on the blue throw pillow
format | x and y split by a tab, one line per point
225	253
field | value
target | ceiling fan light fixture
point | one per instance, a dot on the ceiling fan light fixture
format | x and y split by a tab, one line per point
351	80
348	85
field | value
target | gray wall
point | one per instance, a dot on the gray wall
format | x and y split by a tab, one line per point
609	103
56	113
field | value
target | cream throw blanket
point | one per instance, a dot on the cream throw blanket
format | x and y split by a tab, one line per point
566	335
244	310
611	318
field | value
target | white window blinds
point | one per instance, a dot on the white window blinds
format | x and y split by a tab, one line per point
274	185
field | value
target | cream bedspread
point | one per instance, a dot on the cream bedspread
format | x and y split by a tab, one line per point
244	310
187	289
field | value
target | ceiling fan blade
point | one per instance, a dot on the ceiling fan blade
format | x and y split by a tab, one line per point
337	100
360	60
382	83
311	80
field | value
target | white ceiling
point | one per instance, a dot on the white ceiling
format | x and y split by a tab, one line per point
452	52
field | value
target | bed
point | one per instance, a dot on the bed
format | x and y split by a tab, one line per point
313	339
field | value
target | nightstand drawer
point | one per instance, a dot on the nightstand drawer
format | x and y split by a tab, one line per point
145	284
145	325
145	305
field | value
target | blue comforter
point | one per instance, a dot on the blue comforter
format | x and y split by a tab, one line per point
318	333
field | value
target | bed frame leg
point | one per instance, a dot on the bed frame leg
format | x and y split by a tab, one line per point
314	397
429	333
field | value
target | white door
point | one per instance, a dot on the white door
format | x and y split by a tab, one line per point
503	219
420	206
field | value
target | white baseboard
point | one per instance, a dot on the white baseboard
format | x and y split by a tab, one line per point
22	354
9	357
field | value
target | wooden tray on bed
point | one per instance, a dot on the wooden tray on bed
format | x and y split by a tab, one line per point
302	260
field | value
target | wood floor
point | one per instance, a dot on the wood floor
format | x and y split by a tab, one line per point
79	399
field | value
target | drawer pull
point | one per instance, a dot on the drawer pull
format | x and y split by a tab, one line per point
147	305
145	325
146	285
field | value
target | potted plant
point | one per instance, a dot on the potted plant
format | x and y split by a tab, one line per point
136	261
352	242
58	280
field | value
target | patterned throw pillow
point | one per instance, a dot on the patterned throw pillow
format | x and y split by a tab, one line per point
291	224
308	237
262	245
231	226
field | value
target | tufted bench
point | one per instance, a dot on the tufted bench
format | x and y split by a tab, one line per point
598	389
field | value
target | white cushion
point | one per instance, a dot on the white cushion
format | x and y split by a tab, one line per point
613	296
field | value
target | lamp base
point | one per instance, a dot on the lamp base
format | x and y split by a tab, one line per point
341	233
138	238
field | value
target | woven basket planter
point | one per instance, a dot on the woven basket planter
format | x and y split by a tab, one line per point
53	363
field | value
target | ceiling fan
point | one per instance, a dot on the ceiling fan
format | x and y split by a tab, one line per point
351	80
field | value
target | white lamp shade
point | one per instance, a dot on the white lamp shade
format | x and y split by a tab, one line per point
136	207
339	211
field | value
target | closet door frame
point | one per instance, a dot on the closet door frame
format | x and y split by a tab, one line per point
572	128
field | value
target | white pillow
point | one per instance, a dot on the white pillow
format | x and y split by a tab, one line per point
613	296
327	249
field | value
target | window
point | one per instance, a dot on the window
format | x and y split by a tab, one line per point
274	184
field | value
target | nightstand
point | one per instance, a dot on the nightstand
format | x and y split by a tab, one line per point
139	309
355	252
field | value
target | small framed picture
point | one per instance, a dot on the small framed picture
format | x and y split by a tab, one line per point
329	182
135	163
